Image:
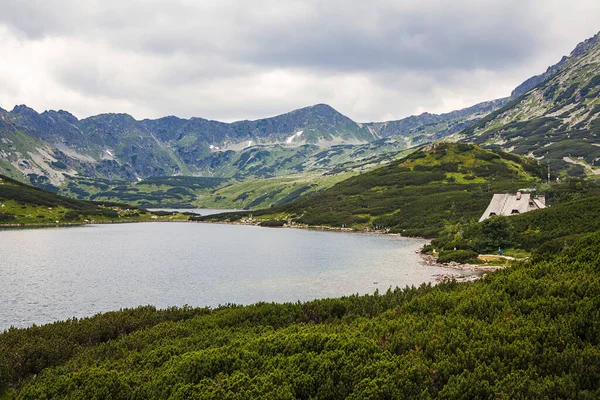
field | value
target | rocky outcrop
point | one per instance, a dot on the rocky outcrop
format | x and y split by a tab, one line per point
536	80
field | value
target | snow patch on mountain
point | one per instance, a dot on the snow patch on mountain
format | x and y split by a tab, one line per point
294	136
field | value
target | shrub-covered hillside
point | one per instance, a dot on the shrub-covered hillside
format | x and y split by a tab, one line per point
415	195
531	331
23	204
542	231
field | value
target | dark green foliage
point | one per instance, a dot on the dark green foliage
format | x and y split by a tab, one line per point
496	233
242	196
37	348
459	256
32	195
550	91
531	331
59	165
77	209
163	213
80	214
42	182
463	147
272	223
6	218
264	197
79	192
294	195
567	94
592	84
412	196
487	156
556	223
191	182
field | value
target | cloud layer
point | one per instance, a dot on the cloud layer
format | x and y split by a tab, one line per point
230	60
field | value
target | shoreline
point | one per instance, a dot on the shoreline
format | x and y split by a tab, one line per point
477	271
68	224
313	228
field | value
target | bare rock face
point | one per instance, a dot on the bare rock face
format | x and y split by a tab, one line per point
581	49
556	116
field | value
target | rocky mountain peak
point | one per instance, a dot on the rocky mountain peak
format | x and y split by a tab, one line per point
580	50
22	109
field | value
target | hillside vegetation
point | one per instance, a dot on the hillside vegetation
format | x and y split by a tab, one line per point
531	331
23	204
557	120
414	195
324	169
542	232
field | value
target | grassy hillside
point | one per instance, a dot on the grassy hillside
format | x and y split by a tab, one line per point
531	331
173	192
541	232
23	204
414	195
324	169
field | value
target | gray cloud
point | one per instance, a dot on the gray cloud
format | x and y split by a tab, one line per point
232	59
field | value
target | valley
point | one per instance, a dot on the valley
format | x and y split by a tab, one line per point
234	305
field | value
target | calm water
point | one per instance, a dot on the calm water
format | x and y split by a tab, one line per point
201	211
57	273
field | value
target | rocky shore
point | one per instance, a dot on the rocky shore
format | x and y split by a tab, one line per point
470	272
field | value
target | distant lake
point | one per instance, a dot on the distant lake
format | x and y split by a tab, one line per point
200	211
57	273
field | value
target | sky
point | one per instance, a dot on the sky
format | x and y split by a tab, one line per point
236	59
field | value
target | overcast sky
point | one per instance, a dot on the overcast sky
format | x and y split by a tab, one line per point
228	60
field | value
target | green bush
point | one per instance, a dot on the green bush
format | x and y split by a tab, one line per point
272	223
459	256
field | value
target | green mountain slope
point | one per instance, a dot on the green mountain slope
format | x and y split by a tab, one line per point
23	204
263	175
426	127
414	195
558	120
545	231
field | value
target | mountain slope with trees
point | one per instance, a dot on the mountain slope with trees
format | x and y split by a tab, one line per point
558	120
414	195
28	205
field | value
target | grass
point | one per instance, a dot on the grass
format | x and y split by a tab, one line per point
23	204
412	196
516	253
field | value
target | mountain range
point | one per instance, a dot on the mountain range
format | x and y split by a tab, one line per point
552	116
558	120
53	144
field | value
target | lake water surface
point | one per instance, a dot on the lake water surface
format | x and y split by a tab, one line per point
199	211
57	273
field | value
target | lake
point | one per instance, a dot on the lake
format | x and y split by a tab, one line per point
57	273
199	211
